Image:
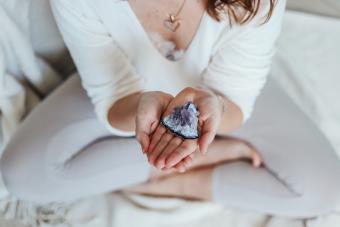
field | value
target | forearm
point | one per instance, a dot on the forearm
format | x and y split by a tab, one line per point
231	119
122	114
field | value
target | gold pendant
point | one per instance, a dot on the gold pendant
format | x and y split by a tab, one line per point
172	23
172	18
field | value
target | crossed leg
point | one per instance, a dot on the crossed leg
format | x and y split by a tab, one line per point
301	172
62	152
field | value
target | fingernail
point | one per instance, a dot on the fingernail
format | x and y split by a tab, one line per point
189	164
159	165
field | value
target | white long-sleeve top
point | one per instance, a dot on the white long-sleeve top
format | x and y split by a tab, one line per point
115	56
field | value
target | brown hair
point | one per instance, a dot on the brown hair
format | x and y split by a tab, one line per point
248	8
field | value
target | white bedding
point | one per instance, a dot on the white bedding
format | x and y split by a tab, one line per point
307	65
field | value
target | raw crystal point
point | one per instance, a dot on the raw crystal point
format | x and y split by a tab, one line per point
183	121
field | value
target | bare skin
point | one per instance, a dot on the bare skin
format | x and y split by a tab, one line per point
167	150
151	14
167	181
195	183
221	150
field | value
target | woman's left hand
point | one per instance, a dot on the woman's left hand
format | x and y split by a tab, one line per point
168	149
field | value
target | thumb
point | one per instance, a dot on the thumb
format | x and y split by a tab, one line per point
143	131
147	119
143	139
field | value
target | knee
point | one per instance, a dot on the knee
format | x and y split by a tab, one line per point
23	174
15	172
11	170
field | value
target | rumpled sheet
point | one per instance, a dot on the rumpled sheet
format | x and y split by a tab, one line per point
307	66
25	79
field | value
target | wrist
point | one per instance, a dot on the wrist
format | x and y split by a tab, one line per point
222	99
122	113
163	98
223	102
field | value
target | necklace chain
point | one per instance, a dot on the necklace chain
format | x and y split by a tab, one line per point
172	23
180	9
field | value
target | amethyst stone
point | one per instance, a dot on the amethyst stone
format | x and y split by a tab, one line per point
183	121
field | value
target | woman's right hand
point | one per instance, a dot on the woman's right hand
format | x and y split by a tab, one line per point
150	108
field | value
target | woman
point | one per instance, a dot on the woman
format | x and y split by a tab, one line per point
219	58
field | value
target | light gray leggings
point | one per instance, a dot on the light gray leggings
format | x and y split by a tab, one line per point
62	152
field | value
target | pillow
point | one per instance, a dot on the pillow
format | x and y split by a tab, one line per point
306	65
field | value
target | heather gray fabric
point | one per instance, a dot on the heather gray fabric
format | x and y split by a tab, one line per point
62	152
303	177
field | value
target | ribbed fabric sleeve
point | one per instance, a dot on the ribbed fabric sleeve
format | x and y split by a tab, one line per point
106	73
240	66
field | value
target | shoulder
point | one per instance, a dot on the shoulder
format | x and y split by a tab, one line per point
262	11
259	29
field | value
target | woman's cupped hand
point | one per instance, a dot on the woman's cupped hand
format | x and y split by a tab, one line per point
165	149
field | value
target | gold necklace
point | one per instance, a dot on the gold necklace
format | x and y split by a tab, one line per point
172	23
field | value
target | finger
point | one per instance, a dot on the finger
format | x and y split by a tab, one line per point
180	167
187	161
207	135
143	134
163	142
185	149
144	140
154	126
146	123
256	158
257	161
172	145
156	136
149	110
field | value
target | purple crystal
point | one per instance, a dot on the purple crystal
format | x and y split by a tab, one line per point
183	121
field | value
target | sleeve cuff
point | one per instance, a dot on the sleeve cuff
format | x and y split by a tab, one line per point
102	109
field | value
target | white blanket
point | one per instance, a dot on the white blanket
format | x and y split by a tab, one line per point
25	78
20	67
306	65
